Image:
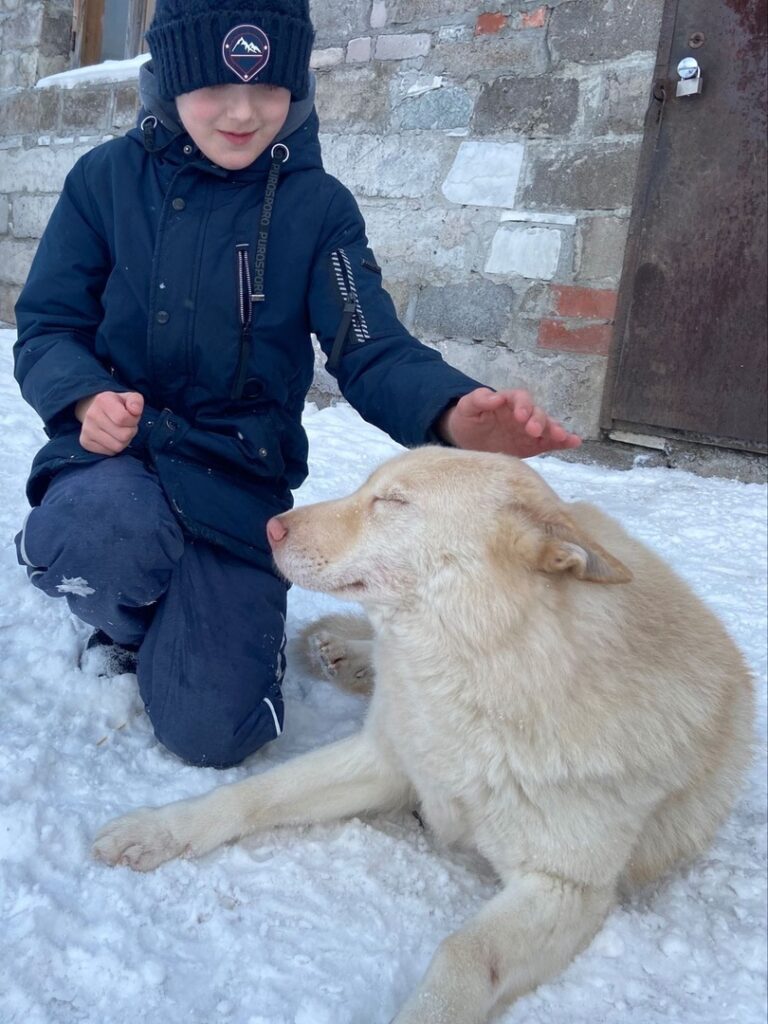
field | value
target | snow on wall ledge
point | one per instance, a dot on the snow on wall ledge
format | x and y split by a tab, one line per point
108	71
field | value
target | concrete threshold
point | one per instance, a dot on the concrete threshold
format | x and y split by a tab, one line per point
703	460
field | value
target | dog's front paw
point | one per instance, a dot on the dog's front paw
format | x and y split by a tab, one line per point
328	652
141	840
344	662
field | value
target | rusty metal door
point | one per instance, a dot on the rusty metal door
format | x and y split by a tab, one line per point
690	352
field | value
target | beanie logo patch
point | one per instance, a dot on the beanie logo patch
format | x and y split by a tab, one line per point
245	51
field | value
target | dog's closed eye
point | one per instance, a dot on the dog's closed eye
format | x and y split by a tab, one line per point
390	498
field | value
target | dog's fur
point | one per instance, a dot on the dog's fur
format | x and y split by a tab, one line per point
545	688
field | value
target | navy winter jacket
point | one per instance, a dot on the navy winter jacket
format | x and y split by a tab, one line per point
142	282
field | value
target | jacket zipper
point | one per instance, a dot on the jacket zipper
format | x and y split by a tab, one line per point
249	292
245	309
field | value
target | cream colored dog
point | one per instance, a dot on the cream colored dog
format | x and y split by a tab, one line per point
547	690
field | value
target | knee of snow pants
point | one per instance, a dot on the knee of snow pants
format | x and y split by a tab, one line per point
212	662
211	627
105	538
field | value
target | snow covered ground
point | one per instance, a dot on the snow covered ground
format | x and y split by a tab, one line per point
332	925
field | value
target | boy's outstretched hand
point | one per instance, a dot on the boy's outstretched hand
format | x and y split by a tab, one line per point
110	420
503	421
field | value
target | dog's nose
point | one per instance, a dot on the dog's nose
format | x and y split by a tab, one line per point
276	531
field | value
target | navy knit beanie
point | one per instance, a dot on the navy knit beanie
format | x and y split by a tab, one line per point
195	44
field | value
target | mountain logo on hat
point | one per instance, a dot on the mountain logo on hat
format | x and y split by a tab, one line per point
245	51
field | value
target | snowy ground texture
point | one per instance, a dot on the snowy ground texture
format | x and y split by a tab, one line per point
332	925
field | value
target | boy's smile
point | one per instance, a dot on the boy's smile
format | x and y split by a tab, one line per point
233	124
238	139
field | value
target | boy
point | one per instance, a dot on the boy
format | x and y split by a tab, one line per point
164	338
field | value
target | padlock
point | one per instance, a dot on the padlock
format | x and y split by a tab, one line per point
691	82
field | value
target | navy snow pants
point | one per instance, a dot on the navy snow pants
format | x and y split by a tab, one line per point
211	627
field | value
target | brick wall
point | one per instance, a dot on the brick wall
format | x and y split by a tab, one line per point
492	147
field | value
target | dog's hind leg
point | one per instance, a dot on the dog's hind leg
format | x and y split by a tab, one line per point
525	935
340	647
343	779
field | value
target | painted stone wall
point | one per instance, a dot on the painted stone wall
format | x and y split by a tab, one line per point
492	147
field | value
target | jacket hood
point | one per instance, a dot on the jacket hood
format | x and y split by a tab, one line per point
301	122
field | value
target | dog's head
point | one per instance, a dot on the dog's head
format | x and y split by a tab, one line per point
430	513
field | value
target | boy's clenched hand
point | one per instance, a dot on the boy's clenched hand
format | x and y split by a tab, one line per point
110	420
503	421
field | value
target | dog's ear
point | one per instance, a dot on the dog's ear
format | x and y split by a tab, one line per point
567	548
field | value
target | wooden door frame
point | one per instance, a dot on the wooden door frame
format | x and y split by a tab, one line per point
140	13
87	16
86	32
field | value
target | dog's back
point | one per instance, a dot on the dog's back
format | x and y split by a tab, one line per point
689	707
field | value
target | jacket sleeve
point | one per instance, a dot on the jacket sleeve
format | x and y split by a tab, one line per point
59	309
392	380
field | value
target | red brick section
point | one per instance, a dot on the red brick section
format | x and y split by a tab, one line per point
585	303
534	19
487	24
594	339
579	320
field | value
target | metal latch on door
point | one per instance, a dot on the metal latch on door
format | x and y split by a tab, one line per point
691	82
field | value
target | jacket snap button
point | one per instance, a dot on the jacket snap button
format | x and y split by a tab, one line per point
263	453
163	316
178	204
188	149
171	424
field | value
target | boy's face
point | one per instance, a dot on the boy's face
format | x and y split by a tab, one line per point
234	124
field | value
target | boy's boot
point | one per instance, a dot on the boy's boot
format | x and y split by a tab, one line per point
103	657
